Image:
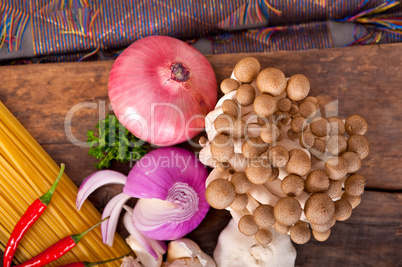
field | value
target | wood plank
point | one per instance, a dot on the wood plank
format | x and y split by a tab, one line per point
366	80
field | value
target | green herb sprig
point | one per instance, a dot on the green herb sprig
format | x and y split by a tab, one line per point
114	142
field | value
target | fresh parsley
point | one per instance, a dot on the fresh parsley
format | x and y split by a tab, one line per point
114	142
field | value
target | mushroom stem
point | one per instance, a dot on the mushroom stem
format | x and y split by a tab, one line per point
262	195
216	174
252	204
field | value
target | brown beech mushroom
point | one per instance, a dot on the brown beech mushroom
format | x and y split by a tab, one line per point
287	211
228	85
224	123
336	168
248	226
264	216
258	170
359	144
354	162
322	228
241	183
239	129
334	190
300	233
283	229
313	100
270	133
317	181
298	87
299	162
354	185
292	185
245	95
298	124
294	109
247	69
318	149
336	126
263	236
319	208
271	81
320	127
307	109
356	124
307	140
278	156
336	144
274	175
254	147
321	236
240	202
222	148
264	105
343	210
284	104
292	134
230	107
220	193
353	200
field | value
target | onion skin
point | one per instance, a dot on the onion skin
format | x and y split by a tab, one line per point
156	98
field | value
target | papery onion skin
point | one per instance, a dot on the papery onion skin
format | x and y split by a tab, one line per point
161	89
153	177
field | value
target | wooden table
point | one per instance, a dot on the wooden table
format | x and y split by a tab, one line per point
366	80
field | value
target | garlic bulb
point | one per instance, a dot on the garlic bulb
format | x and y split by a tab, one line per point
185	252
237	250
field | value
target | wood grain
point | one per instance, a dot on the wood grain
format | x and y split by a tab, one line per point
365	80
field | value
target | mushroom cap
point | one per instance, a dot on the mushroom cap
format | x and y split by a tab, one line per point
294	109
318	149
336	168
222	166
263	236
264	216
334	190
287	211
322	228
292	134
354	185
312	99
307	140
336	144
239	129
262	120
240	182
292	185
359	144
356	124
300	233
307	109
247	69
298	87
353	200
248	226
258	170
270	133
283	229
254	147
299	162
274	175
230	107
278	156
224	123
343	210
271	81
319	127
321	236
298	124
354	162
228	85
319	208
222	147
336	126
245	95
240	202
317	181
220	193
284	104
264	105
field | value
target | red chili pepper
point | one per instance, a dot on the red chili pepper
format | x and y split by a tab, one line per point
31	215
91	264
57	250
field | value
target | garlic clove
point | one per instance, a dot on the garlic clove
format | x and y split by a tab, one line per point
144	257
130	262
189	253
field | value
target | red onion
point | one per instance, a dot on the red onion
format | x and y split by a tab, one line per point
161	89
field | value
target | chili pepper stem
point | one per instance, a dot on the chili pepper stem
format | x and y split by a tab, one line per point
49	194
78	237
91	264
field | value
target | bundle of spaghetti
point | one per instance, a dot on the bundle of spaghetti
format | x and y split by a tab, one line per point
27	172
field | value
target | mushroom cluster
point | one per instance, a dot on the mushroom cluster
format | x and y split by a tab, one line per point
277	162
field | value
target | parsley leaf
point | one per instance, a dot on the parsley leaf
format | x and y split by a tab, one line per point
113	141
